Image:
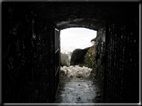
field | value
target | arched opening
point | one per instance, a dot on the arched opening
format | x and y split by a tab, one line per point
77	71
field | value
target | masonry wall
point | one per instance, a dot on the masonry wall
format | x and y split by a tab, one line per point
99	57
100	61
26	55
121	75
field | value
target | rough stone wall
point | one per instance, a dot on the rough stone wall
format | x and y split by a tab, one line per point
26	55
122	62
99	57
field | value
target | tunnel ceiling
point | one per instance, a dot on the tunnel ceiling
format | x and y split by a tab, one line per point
91	15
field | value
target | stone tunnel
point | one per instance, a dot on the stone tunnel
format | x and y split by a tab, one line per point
30	48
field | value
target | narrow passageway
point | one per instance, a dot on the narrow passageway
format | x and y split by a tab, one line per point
77	82
77	90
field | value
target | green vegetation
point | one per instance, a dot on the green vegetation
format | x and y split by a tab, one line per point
89	59
97	66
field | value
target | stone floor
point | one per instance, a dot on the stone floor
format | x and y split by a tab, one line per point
76	90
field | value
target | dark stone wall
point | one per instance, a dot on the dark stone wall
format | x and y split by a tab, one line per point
100	61
121	76
26	55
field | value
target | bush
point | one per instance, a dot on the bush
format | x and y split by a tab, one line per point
89	58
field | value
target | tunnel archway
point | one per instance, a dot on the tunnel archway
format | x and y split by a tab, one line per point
80	76
28	56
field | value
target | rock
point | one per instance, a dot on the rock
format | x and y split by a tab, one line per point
78	56
64	59
78	99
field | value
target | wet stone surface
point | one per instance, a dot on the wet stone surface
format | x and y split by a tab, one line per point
76	90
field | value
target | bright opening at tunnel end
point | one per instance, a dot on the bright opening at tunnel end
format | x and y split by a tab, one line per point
74	38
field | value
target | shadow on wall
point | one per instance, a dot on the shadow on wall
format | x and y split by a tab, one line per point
26	55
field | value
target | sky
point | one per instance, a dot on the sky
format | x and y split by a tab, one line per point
74	38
